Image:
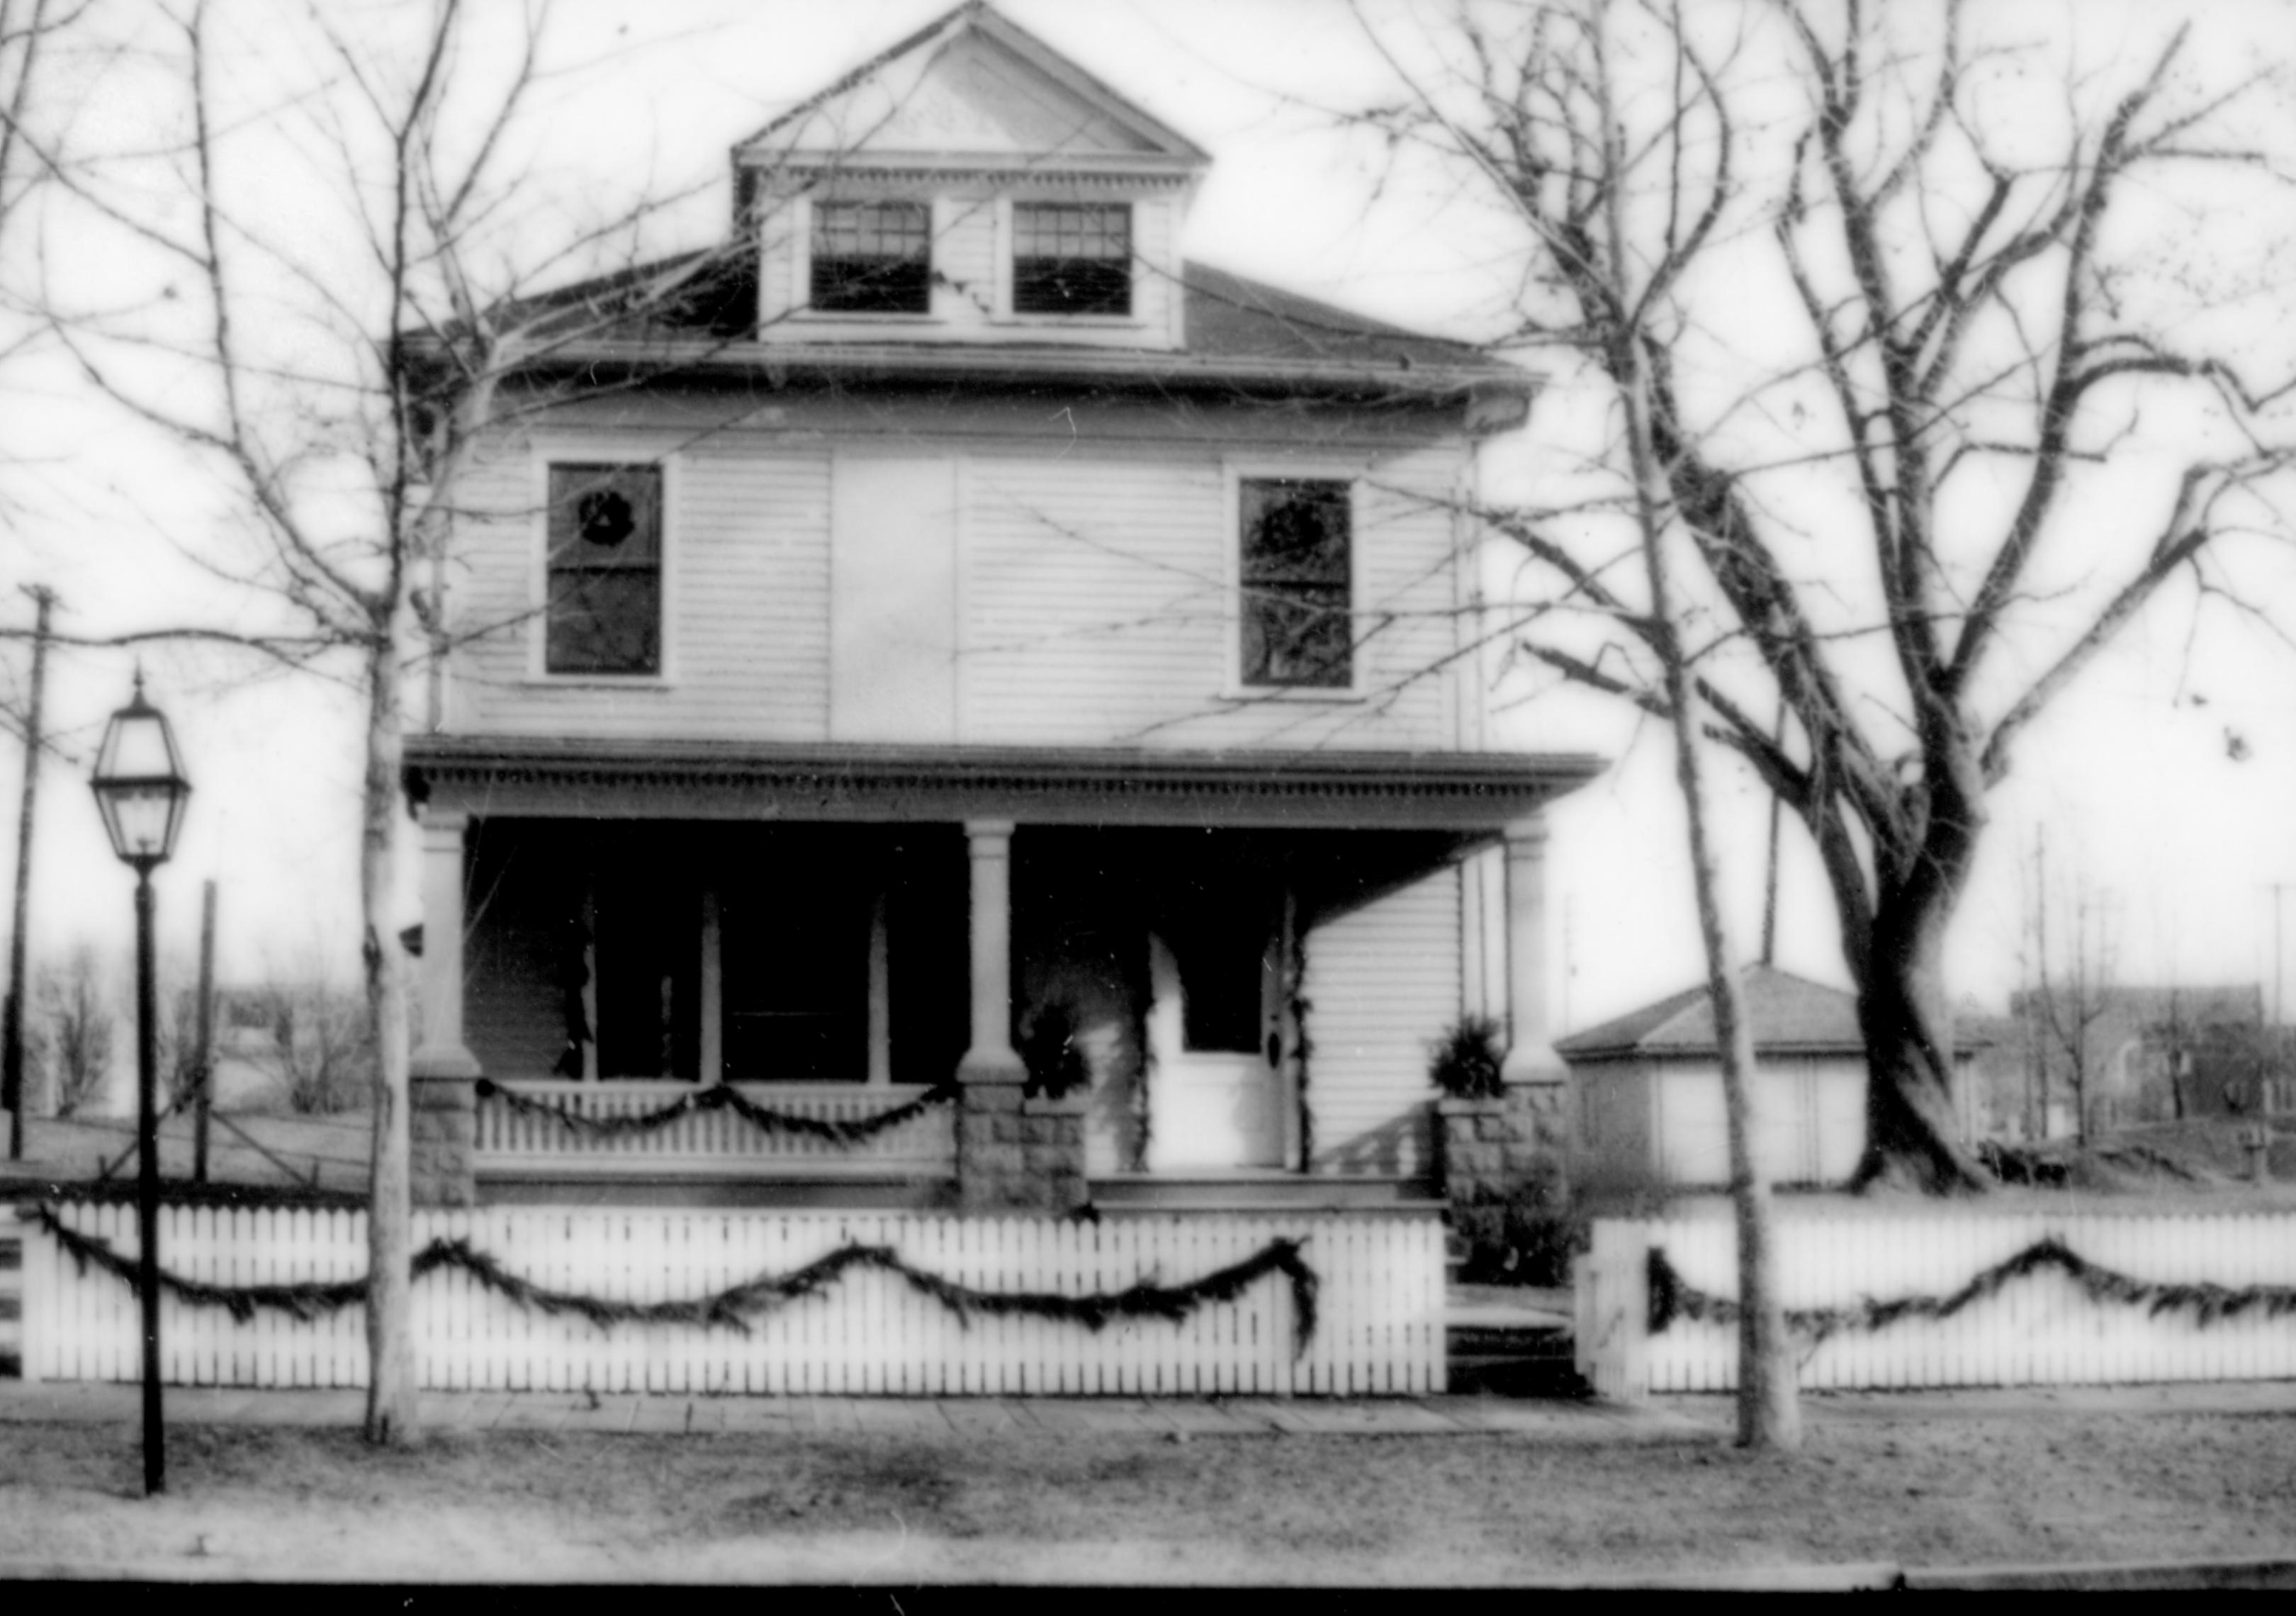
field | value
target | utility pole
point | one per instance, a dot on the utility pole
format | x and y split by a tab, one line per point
11	1026
2041	957
204	1057
2278	887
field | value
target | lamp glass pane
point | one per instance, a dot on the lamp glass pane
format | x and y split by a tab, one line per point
138	746
140	819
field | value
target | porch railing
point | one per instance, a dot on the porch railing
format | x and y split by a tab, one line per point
514	1139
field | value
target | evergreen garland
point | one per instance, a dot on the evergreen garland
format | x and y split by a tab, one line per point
1671	1296
722	1096
732	1307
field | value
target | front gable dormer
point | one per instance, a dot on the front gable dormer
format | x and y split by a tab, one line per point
969	186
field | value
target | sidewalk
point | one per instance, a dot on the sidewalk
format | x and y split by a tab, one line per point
1175	1418
1668	1419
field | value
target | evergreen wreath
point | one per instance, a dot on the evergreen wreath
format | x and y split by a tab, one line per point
722	1096
732	1307
1672	1297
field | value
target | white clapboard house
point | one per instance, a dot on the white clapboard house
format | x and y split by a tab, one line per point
970	648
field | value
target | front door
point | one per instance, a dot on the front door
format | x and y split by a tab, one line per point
1214	1100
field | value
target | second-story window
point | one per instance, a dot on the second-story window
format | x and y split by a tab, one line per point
1072	258
873	258
1294	572
604	611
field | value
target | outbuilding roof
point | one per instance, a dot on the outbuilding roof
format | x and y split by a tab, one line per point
1791	1016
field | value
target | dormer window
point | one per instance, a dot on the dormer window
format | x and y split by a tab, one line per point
873	258
1072	258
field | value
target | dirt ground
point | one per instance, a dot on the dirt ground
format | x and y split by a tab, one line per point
511	1505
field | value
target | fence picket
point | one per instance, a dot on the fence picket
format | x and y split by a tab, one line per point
1379	1331
2041	1328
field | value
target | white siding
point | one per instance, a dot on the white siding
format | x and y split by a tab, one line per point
1381	983
970	296
1105	576
747	589
1812	1126
1093	583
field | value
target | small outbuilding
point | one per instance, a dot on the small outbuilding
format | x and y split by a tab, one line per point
1650	1088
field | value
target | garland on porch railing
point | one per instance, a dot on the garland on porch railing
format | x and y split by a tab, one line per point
724	1096
732	1307
1671	1296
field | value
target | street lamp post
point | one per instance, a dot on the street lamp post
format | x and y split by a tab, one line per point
141	791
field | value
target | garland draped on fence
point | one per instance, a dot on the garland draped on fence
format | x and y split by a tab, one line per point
1672	1296
732	1307
723	1096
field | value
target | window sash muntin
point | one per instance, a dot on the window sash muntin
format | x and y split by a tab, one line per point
1295	575
1072	258
603	599
872	257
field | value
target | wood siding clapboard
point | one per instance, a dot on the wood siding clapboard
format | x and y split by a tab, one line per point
747	640
970	235
1093	599
892	593
1382	982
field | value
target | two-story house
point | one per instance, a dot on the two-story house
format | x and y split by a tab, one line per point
974	648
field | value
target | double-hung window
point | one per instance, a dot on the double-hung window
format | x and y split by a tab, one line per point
603	613
872	257
1072	258
1294	574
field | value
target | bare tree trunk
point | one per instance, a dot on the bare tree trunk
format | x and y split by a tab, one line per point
390	1399
12	1035
1769	1413
1912	1141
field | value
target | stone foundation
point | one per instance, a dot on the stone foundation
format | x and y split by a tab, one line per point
1505	1174
1019	1154
443	1127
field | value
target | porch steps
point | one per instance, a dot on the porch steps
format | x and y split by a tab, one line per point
12	1298
1503	1341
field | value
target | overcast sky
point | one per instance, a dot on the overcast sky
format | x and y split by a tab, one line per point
2179	810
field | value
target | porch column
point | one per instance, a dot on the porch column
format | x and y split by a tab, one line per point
442	1053
1506	1159
442	1111
990	1058
992	1168
1530	1056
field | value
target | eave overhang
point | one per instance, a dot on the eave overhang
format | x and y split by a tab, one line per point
778	364
1471	793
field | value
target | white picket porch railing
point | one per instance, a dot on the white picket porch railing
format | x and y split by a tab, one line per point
1379	1324
512	1141
2040	1328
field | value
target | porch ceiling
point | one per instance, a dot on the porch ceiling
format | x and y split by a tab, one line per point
621	779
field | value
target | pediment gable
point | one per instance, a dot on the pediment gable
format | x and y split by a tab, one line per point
970	91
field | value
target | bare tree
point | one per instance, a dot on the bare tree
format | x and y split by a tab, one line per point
74	1015
2072	995
322	1047
339	396
1591	154
1909	332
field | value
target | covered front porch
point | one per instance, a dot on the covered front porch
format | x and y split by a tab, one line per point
757	975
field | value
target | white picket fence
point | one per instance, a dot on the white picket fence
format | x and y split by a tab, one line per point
2041	1329
1379	1325
511	1141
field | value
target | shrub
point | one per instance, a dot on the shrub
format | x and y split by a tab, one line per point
1056	1066
1466	1061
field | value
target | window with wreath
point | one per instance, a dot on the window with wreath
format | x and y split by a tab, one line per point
604	613
873	258
1294	576
1072	258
